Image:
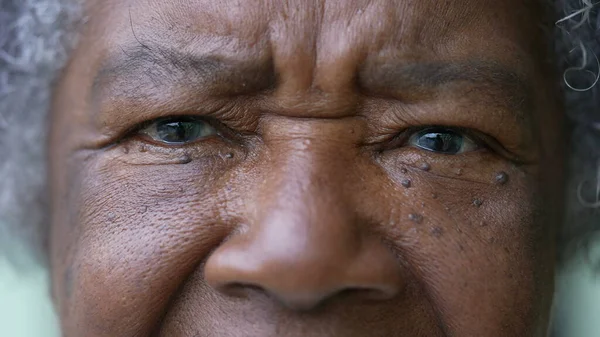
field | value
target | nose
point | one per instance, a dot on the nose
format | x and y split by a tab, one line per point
305	244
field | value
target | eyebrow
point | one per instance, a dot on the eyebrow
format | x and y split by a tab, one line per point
139	68
489	82
139	71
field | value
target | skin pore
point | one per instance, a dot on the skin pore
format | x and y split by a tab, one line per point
306	168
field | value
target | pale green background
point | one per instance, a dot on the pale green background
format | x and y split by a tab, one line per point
25	306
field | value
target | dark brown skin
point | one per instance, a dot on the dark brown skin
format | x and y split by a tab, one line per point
310	213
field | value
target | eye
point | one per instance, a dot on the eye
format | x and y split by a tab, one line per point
178	130
443	140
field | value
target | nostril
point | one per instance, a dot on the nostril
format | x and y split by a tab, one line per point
294	301
372	294
301	266
240	290
303	301
365	294
312	300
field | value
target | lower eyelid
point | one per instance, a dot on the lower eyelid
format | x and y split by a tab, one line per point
142	151
474	167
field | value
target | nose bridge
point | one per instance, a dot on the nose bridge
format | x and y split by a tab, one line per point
310	175
308	209
304	220
305	242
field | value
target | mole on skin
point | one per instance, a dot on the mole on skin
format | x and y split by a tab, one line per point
319	108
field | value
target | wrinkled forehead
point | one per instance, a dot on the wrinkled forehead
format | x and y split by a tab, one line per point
324	31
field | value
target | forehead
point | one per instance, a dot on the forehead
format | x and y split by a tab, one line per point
316	55
323	31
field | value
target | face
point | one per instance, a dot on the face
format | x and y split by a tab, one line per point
305	168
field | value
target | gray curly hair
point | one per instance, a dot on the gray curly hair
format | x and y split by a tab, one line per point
35	38
578	50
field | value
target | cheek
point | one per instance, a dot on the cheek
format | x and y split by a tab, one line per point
472	238
127	233
133	229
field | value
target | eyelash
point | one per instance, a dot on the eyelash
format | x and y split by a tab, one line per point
399	140
402	138
483	140
222	130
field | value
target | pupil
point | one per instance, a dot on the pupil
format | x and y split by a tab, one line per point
444	141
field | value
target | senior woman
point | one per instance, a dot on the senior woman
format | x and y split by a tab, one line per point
302	168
